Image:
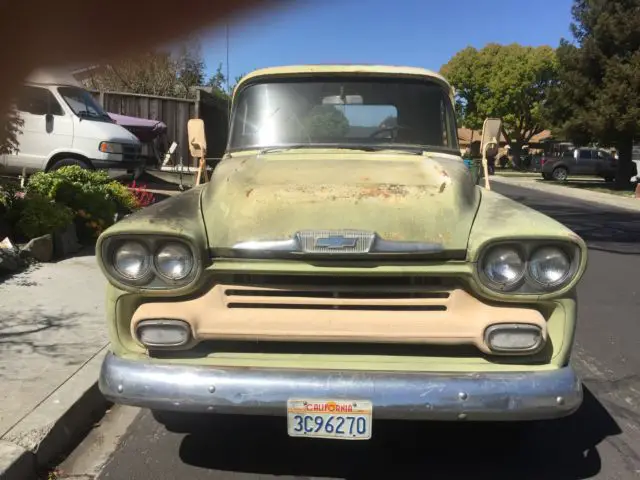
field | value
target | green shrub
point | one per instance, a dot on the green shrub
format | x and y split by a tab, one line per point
39	216
64	183
91	194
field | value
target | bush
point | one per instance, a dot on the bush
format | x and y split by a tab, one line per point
39	216
93	196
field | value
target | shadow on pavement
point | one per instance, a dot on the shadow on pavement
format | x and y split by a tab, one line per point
562	449
602	227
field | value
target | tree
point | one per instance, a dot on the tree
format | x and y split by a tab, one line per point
162	73
218	81
190	68
10	125
598	97
507	81
326	121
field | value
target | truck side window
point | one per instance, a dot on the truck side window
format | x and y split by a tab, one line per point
585	154
38	101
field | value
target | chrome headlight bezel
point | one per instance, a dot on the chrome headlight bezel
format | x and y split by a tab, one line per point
528	285
154	280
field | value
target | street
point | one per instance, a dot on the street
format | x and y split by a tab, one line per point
602	440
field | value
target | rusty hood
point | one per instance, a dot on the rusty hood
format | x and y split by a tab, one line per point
402	197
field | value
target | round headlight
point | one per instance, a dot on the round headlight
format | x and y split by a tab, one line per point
174	261
503	266
131	260
549	266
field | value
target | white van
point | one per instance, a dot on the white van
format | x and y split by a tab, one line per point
64	125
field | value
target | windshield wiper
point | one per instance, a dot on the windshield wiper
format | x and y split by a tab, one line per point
283	148
363	148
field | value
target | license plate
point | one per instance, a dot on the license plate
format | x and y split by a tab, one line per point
335	419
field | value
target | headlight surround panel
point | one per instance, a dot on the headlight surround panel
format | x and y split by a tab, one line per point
526	283
154	279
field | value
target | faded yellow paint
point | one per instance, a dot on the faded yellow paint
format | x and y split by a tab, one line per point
336	69
401	196
560	314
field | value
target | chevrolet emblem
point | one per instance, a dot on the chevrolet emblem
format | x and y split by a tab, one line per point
335	242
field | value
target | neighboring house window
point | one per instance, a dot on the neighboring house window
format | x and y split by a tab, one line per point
38	101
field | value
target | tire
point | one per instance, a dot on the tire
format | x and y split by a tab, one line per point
560	174
68	162
609	179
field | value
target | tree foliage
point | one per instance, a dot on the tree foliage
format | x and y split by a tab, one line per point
506	81
598	97
326	121
162	73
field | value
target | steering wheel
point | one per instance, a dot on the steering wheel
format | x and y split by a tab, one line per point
393	129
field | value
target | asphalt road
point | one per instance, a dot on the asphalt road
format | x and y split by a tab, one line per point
602	440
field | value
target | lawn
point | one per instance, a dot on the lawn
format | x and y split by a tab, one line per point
592	185
513	173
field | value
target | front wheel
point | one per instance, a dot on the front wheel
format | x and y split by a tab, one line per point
68	162
560	174
609	179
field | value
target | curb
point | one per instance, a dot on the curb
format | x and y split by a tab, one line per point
55	426
629	204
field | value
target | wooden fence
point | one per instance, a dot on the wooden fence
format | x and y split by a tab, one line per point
175	113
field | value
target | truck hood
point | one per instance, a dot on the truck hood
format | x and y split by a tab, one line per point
425	199
104	132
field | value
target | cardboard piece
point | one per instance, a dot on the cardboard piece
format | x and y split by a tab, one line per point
198	146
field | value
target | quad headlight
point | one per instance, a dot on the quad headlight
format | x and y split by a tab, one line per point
549	266
132	260
504	266
174	261
153	263
528	268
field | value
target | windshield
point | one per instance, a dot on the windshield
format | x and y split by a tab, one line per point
391	113
82	103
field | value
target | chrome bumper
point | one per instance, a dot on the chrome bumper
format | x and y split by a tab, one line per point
417	396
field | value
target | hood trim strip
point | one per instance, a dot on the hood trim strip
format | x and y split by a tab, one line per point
337	243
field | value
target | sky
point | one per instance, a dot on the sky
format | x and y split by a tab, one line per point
420	33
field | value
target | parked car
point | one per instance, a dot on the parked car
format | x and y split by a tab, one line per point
64	125
336	274
577	162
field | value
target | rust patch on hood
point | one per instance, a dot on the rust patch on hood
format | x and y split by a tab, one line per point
384	191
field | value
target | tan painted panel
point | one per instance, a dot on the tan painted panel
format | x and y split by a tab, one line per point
280	314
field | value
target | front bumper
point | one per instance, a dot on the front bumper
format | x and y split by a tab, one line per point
122	164
395	395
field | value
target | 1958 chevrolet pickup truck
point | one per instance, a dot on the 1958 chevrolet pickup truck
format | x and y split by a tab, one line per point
340	267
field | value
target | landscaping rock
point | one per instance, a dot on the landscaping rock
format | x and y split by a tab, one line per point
10	260
40	248
65	242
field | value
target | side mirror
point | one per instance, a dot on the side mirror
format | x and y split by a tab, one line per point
49	122
197	137
489	145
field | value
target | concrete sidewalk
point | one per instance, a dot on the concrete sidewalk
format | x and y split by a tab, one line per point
52	340
581	194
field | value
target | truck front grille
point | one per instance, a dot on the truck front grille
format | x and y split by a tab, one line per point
337	293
